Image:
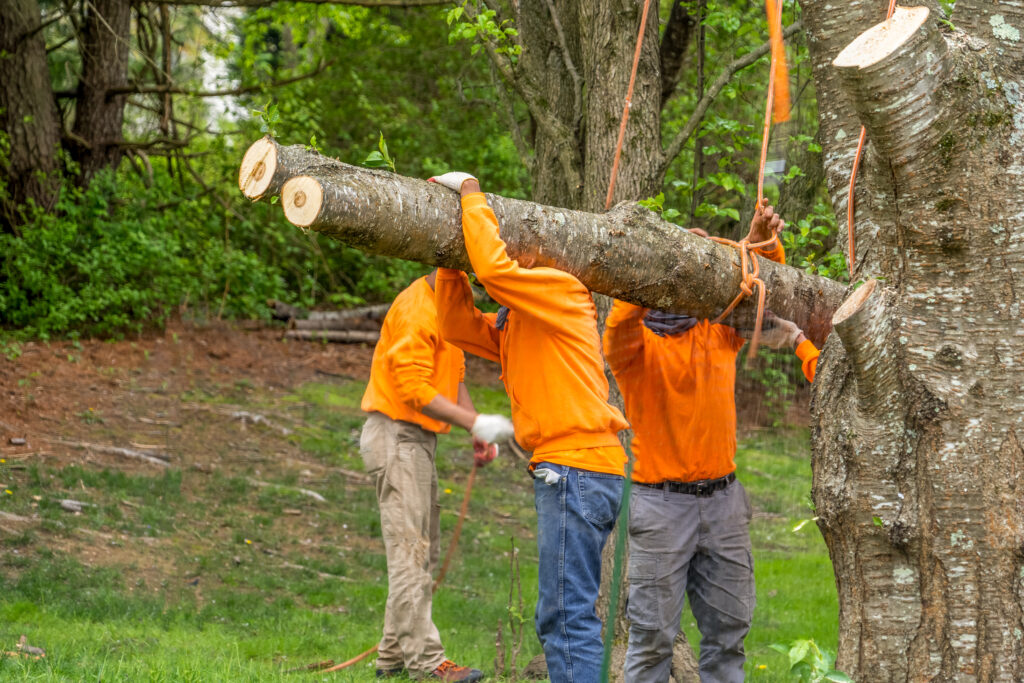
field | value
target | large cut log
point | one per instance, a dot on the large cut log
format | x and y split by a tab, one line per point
628	253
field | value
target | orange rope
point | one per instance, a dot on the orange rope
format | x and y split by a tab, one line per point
749	267
463	509
850	228
626	106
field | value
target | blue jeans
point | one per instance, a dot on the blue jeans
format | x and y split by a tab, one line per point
575	515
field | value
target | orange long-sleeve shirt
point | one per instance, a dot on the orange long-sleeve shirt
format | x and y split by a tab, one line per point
679	393
412	363
549	349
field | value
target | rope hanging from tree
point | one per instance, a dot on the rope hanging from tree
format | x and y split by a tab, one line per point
777	108
853	174
777	103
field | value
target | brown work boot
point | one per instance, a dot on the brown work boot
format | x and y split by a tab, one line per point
450	671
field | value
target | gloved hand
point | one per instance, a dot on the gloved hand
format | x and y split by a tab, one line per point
483	452
452	180
779	333
492	428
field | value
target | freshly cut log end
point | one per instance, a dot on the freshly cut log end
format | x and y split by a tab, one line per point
258	167
853	303
302	198
883	39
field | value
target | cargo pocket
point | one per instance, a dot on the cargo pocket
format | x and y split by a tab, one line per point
648	595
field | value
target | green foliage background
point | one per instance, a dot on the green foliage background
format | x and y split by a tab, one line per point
163	236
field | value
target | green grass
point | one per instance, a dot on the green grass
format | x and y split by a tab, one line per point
218	579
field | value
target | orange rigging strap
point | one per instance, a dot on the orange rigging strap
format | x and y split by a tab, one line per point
626	107
777	103
850	229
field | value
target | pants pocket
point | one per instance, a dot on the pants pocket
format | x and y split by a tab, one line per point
373	446
600	497
648	596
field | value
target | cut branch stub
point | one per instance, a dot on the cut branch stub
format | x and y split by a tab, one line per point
865	329
891	73
267	165
628	253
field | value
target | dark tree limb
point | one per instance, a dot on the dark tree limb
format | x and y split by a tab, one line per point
731	70
675	42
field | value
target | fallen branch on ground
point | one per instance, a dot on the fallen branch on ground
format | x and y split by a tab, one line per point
343	336
150	457
306	492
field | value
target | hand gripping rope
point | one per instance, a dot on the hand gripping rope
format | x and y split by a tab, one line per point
777	78
779	109
463	509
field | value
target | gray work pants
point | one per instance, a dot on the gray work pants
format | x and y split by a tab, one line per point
685	545
399	456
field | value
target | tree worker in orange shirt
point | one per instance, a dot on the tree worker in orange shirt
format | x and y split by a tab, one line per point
416	391
545	338
689	517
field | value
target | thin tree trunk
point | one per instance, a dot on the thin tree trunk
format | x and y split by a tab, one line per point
28	113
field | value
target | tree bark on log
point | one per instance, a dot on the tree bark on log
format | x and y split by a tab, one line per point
918	408
343	336
628	253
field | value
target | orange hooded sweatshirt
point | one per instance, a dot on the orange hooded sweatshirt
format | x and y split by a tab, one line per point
549	349
412	363
678	392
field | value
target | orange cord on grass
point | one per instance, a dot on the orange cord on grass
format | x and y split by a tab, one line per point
850	229
463	509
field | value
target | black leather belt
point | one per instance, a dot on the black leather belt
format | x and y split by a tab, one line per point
704	487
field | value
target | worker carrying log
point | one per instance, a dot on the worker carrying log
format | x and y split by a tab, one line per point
689	517
416	392
545	338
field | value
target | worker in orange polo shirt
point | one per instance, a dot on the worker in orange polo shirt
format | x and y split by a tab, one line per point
689	517
416	391
545	337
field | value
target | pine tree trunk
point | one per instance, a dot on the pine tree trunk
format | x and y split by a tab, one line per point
919	397
99	113
28	112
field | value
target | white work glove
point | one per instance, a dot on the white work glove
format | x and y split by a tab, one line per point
492	428
779	333
452	180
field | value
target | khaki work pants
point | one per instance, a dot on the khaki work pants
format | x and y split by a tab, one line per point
399	456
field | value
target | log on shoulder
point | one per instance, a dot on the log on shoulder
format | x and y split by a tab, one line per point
628	253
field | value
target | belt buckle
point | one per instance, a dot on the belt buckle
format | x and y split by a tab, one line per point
703	488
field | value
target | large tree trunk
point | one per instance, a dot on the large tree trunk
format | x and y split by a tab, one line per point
28	112
919	397
97	136
628	253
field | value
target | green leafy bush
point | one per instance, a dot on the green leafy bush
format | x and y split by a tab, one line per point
114	258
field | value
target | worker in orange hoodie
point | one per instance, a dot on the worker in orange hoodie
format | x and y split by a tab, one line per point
545	337
689	517
416	391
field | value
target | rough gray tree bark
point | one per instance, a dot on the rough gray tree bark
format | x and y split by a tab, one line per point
28	112
97	137
628	253
919	397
